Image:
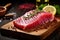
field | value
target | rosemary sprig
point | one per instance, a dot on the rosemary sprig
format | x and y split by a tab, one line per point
32	14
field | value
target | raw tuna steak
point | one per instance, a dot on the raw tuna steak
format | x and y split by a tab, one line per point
38	19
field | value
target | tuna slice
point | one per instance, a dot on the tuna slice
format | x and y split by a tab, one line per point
39	19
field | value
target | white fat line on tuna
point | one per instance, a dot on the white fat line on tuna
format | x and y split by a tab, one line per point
22	22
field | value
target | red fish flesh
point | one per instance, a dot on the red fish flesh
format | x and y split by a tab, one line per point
39	19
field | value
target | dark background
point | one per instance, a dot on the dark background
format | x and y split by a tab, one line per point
3	2
54	36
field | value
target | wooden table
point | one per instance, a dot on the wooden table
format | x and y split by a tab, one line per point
42	34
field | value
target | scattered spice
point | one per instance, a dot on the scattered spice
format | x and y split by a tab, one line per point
8	27
36	31
14	28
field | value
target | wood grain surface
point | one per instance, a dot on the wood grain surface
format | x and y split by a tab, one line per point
42	33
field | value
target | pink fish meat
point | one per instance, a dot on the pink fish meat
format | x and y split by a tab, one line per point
39	19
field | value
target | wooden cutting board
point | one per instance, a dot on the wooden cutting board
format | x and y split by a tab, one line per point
43	33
